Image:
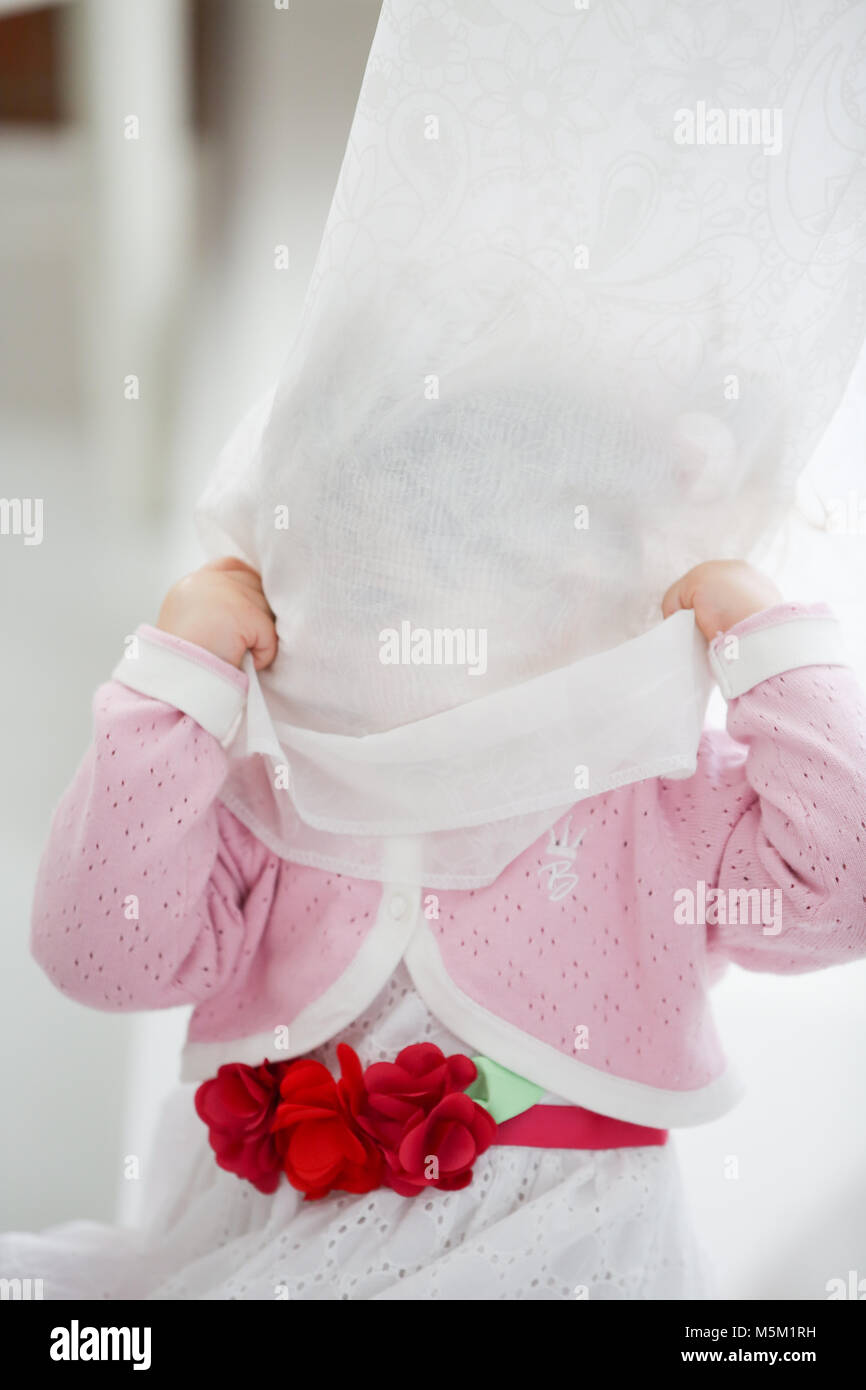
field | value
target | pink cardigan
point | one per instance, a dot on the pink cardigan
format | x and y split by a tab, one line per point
584	967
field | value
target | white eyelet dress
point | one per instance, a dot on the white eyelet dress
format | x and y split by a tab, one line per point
533	1223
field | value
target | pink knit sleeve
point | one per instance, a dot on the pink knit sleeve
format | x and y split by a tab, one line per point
140	890
775	819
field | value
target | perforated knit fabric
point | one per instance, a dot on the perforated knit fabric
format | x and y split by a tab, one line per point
533	1224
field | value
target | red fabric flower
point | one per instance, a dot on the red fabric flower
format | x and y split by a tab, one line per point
427	1140
440	1151
238	1106
321	1145
407	1123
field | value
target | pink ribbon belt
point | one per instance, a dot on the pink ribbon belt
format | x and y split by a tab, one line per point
572	1127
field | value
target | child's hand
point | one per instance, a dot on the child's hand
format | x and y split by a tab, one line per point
722	593
222	608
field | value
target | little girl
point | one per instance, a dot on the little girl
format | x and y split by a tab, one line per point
449	956
483	1111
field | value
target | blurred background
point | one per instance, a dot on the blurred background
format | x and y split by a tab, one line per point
165	174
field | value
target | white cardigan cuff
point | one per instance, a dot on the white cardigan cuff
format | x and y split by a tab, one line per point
166	674
741	662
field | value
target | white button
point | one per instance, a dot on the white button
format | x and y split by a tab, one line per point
397	906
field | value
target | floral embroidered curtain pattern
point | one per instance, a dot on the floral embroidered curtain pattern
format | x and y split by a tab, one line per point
590	289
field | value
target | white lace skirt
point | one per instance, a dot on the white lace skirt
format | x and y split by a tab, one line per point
533	1223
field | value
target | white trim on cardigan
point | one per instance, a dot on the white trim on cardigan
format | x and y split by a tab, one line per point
167	675
342	1002
756	656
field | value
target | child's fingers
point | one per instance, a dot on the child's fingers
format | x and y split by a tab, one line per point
683	593
245	577
677	597
722	593
239	572
257	597
260	636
